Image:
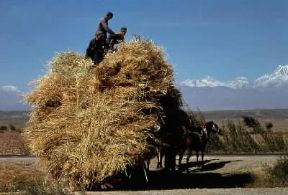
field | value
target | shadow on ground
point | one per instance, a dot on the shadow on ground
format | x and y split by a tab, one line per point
197	178
208	166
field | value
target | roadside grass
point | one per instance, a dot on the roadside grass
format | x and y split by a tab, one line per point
272	176
277	174
274	142
24	178
239	138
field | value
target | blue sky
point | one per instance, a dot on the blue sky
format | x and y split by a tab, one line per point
221	38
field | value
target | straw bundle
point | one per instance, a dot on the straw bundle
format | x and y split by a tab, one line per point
88	123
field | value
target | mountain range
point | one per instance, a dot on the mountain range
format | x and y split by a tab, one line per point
269	91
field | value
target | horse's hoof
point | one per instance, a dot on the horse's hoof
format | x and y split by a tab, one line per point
106	186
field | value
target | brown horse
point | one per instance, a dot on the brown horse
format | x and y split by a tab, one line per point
197	140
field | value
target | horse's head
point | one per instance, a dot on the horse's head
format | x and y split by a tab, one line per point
213	127
204	131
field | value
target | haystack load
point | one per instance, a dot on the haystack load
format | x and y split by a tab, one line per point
89	123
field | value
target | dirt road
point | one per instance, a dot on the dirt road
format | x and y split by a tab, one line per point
218	191
221	174
223	164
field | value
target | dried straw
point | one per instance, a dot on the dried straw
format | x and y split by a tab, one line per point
89	123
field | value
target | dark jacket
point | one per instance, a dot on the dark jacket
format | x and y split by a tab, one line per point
96	46
96	50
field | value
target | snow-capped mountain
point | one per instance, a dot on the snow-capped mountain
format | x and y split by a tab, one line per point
268	91
278	78
208	81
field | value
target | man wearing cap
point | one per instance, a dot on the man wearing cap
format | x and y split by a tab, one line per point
97	48
103	25
116	38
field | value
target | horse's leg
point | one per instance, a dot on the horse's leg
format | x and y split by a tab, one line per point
173	160
170	159
159	158
161	155
148	164
139	173
128	172
197	156
202	153
146	171
189	154
180	157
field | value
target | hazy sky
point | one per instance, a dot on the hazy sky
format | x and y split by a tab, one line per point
221	38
